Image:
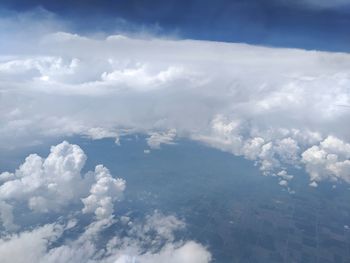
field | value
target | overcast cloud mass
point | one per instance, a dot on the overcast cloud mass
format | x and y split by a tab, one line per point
267	104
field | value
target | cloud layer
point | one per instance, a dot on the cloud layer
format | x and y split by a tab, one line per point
267	104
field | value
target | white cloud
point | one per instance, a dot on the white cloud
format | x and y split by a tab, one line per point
190	252
284	175
36	246
313	184
287	150
284	178
330	160
266	104
97	133
156	138
103	193
141	79
28	246
283	183
231	136
41	181
50	184
55	182
252	148
6	216
157	228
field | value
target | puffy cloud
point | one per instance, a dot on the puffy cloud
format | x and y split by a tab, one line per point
330	160
157	232
284	175
190	252
142	78
284	178
252	148
268	152
163	225
55	182
224	134
283	183
288	150
47	184
156	139
103	193
6	216
28	246
158	227
97	133
313	184
37	246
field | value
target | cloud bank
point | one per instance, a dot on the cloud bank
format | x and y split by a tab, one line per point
266	104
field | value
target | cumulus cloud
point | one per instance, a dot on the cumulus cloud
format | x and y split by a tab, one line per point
268	152
284	175
97	133
156	138
50	184
103	193
55	183
162	227
47	184
190	252
283	183
28	246
330	160
284	178
6	216
313	184
37	245
266	104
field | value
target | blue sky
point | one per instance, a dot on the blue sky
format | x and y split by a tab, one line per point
309	24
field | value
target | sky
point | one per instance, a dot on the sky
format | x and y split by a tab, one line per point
267	81
310	24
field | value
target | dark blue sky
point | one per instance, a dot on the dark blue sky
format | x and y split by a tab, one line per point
310	24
